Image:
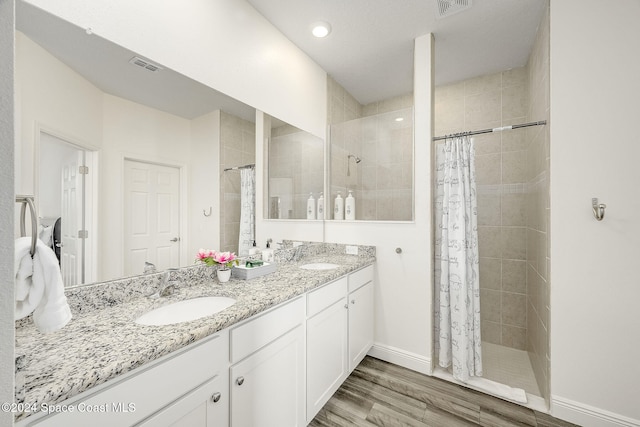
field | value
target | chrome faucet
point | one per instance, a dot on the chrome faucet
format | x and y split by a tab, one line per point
297	255
167	287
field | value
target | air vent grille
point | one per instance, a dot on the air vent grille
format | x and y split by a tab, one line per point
450	7
137	61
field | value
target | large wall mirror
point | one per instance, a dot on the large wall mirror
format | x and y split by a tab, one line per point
295	164
125	155
371	166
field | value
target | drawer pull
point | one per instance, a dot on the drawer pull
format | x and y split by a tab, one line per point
240	380
215	397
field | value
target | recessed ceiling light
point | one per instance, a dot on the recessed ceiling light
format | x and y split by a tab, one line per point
320	29
399	119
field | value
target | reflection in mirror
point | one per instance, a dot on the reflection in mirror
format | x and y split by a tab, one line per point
237	189
162	141
296	173
372	167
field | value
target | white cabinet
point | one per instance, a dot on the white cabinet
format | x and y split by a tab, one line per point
339	334
140	394
326	349
360	324
268	385
206	406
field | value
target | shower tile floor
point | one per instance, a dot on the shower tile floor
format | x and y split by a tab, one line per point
508	366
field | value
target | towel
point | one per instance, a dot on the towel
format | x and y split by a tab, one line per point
39	287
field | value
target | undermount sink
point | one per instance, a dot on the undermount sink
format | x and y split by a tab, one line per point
319	266
184	311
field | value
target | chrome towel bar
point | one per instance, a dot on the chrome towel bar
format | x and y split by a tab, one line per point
28	200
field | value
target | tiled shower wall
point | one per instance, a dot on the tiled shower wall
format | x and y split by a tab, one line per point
491	101
538	209
382	181
296	156
237	145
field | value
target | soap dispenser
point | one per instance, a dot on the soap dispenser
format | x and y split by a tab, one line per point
320	207
311	207
350	207
338	210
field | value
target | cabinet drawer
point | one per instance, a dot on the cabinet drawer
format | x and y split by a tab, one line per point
129	400
322	298
360	277
256	333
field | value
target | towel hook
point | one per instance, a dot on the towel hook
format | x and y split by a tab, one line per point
598	209
204	212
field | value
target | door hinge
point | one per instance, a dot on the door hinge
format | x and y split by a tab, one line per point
83	234
83	170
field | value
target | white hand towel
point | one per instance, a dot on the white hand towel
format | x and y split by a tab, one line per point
28	294
45	296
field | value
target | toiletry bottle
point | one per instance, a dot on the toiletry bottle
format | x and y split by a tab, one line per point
254	250
268	253
320	207
311	207
350	207
338	210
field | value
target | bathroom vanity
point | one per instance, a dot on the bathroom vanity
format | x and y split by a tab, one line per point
272	359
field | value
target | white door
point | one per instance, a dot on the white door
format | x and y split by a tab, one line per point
326	355
360	324
151	216
267	388
71	222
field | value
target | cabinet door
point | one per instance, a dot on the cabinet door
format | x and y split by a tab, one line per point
206	406
267	388
360	324
326	355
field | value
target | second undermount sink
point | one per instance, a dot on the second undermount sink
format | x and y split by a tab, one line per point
319	266
184	311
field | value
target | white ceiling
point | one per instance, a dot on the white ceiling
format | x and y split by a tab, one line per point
369	51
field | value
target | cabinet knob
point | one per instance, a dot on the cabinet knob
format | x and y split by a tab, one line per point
240	380
353	301
215	397
346	306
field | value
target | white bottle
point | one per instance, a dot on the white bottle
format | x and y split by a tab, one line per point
350	207
311	207
320	207
338	210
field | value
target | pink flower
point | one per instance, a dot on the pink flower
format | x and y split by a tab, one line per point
224	257
210	258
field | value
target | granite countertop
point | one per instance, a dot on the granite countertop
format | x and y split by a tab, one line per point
101	343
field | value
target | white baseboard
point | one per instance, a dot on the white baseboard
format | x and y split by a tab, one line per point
406	359
588	416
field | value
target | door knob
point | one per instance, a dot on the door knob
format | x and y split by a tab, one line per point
175	239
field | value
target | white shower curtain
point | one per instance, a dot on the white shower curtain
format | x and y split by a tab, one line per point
247	210
457	296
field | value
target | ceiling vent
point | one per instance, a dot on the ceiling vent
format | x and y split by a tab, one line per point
145	64
451	7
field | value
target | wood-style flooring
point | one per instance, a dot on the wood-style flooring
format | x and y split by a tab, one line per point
378	393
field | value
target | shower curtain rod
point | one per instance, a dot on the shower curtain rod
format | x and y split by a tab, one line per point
500	129
235	168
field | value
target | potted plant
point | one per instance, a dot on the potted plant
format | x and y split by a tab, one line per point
224	260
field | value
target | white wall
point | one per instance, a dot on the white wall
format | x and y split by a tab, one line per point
135	132
595	325
225	44
204	182
403	295
7	202
54	97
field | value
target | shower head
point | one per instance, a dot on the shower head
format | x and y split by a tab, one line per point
356	158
